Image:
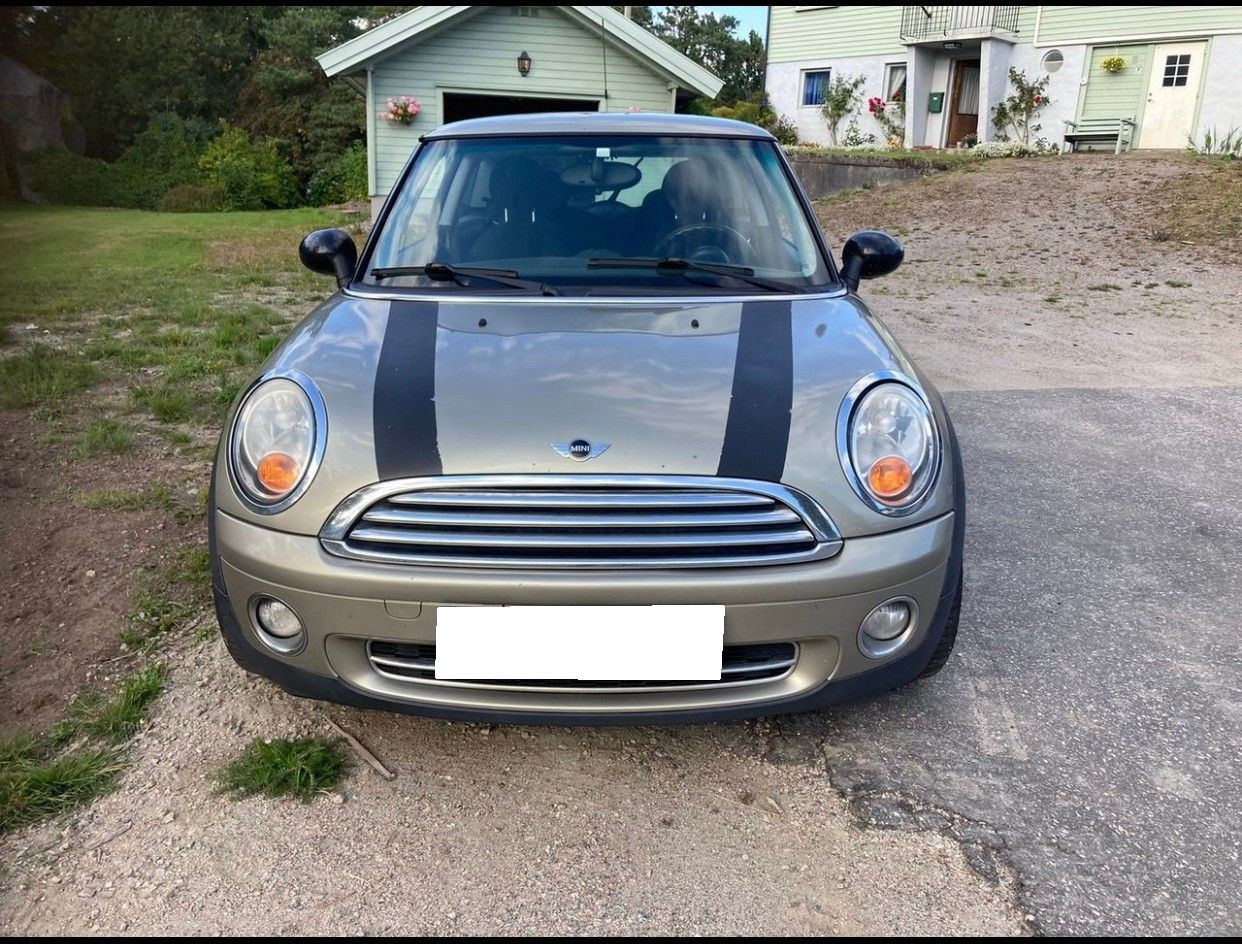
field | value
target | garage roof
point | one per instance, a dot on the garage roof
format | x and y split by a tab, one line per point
375	44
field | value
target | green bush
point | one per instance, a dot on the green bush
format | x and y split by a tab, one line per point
163	156
782	128
61	176
252	175
192	198
342	179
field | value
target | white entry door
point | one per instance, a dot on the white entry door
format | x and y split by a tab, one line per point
1171	95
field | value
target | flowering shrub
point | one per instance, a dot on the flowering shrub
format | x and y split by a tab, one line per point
891	116
403	109
1015	116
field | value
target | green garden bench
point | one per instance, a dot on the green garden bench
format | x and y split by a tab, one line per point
1100	130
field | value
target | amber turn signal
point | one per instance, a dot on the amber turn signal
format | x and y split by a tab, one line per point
890	476
278	472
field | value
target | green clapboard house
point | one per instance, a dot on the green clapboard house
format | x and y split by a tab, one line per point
472	61
1173	71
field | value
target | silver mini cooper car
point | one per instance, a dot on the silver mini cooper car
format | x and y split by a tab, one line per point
595	430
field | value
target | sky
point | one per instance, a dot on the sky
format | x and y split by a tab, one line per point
751	18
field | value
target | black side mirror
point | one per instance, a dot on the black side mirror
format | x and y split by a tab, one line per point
868	255
330	252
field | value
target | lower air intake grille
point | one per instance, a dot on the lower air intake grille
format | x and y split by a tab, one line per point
415	662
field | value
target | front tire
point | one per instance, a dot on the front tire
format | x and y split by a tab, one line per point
948	637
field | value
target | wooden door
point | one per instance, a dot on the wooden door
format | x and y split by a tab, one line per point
963	102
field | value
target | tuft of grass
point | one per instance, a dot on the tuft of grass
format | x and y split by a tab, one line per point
34	787
81	758
105	437
169	599
42	376
300	768
117	499
168	404
111	716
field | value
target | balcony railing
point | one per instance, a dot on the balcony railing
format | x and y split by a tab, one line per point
928	24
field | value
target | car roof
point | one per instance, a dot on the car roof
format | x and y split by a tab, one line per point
594	122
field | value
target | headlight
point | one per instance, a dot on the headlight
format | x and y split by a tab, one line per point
277	441
889	445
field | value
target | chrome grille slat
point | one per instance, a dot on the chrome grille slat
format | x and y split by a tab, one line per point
566	521
549	538
467	519
518	562
597	498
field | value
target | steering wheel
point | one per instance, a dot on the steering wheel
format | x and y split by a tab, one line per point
739	250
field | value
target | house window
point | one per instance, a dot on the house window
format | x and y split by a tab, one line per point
1176	70
895	82
1053	60
815	87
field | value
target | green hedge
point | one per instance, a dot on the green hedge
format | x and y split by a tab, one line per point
165	155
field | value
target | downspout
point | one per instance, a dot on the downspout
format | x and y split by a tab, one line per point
372	144
767	52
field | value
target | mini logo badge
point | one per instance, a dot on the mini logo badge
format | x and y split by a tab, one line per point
581	449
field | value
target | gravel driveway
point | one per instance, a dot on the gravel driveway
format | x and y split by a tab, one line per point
1074	768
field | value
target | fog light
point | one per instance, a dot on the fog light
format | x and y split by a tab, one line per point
281	628
886	628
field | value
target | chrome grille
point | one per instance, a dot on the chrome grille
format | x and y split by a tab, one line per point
740	665
580	521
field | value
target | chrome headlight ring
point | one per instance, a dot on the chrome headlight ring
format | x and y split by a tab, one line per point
249	494
925	476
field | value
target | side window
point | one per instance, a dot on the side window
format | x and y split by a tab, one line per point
814	87
895	82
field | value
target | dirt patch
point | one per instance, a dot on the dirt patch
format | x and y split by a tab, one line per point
486	829
1052	272
66	571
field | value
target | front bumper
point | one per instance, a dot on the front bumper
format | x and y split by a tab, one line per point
817	605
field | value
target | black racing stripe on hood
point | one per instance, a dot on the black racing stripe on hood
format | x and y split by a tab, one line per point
757	430
404	408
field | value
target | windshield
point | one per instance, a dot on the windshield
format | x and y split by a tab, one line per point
598	214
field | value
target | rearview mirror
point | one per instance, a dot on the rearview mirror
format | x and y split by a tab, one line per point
602	175
330	252
868	255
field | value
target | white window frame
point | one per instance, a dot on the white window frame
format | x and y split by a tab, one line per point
888	72
802	84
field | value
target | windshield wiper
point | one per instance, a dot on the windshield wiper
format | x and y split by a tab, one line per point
673	264
443	272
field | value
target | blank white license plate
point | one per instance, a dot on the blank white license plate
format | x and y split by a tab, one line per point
590	643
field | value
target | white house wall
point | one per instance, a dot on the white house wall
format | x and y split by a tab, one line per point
784	87
1221	105
1064	87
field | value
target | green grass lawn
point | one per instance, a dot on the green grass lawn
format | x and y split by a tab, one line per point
178	307
130	332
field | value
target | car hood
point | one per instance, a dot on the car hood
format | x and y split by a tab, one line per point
743	389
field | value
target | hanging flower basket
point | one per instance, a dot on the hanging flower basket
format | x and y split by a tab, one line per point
1114	65
403	109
